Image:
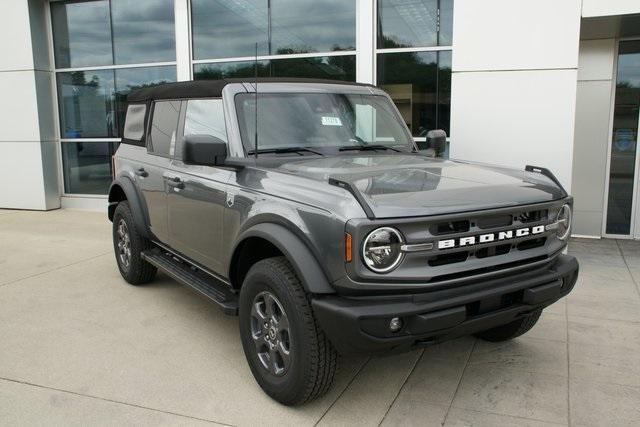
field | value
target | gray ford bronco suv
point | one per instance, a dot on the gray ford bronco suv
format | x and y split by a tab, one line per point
306	209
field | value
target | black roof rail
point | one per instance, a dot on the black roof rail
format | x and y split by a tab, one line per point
546	172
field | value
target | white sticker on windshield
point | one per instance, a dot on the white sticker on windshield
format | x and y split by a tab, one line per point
331	121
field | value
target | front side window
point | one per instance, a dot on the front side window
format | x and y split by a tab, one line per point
205	117
319	121
162	136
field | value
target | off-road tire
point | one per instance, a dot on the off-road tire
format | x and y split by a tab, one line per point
313	359
511	330
139	271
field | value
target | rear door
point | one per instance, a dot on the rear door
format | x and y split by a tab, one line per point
161	141
196	208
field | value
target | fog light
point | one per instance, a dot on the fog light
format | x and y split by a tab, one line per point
395	324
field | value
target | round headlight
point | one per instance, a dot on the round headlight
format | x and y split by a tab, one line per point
382	249
564	222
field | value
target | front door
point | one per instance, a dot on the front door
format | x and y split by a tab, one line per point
197	199
623	210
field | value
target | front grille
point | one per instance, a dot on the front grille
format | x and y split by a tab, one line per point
449	227
533	216
445	259
493	251
495	221
460	260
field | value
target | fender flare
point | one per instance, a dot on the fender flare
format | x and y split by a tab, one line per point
137	207
305	264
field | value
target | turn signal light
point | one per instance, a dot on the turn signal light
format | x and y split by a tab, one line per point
348	254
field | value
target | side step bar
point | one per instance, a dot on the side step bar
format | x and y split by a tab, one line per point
215	290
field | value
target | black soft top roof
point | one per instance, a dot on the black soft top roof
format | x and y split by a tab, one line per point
213	88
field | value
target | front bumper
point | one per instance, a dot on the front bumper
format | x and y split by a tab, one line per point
360	324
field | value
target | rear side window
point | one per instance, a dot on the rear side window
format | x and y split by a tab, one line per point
162	136
134	122
205	117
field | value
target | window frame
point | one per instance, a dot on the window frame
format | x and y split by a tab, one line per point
377	51
60	139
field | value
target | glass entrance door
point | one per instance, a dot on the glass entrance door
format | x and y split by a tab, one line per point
622	211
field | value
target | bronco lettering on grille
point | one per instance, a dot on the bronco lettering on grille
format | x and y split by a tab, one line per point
490	237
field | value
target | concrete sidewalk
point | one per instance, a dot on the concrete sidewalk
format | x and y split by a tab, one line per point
78	346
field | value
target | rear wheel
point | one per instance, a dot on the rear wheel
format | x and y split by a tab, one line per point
289	355
128	245
511	330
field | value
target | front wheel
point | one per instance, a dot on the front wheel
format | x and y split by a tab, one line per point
511	330
288	354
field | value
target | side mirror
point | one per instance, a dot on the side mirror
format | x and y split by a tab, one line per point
437	141
205	150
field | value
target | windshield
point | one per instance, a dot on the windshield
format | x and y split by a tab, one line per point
319	120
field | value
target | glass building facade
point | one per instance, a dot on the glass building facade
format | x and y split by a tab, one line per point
106	48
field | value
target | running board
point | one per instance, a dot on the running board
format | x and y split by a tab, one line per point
216	290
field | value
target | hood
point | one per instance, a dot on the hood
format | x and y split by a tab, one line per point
401	185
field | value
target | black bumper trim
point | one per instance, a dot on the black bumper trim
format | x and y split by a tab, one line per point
360	324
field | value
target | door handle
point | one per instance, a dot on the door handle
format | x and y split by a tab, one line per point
174	181
141	172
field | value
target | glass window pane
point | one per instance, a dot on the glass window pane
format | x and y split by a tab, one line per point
299	26
143	31
324	67
134	123
86	104
406	23
412	80
81	33
444	91
87	167
205	117
625	137
163	127
227	70
129	79
445	37
228	28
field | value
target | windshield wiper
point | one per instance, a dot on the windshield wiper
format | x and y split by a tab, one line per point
283	150
370	147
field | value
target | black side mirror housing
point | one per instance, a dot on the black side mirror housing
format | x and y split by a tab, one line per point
437	141
205	150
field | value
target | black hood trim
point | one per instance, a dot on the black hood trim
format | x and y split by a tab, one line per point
546	172
356	193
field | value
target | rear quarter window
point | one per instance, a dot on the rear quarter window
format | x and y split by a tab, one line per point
134	123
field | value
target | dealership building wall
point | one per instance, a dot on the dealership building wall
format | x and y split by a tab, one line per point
531	82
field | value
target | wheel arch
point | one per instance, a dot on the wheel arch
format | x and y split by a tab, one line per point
274	240
123	189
